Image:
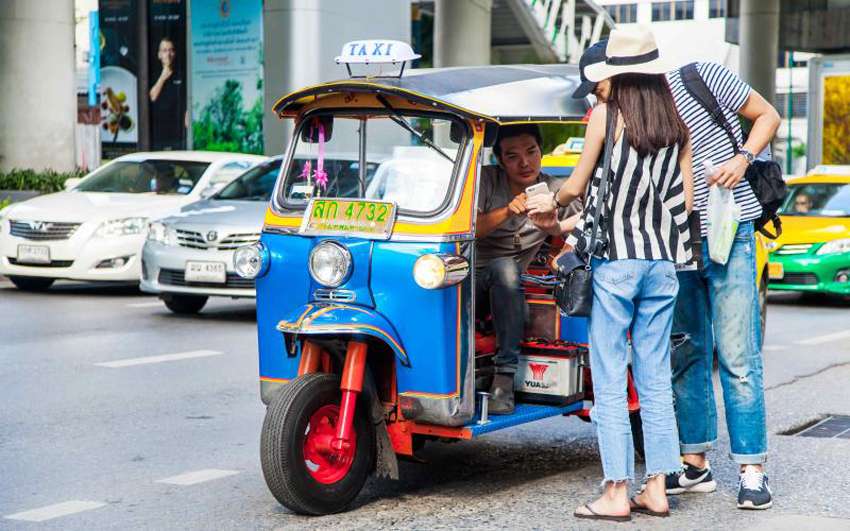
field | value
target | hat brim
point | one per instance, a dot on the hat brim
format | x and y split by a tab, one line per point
597	72
584	89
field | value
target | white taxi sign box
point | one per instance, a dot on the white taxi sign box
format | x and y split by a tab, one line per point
376	52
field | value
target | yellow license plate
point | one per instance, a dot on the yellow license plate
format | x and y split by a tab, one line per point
350	217
775	270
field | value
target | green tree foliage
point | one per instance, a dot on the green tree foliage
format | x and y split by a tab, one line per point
224	124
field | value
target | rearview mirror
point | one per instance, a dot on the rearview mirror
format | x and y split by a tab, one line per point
310	130
71	183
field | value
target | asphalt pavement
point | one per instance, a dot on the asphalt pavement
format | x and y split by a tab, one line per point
117	414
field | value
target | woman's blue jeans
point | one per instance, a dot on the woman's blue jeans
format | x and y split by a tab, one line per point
637	296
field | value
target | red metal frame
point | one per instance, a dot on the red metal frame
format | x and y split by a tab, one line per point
351	386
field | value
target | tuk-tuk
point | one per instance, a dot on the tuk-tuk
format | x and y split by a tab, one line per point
369	341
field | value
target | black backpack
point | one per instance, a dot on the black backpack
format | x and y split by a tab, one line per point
764	176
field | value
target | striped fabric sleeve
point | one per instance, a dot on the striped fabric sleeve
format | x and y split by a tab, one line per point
730	90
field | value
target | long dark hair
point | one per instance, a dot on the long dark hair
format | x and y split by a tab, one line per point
649	112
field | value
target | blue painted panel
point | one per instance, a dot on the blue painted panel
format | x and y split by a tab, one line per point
523	414
574	329
426	320
286	286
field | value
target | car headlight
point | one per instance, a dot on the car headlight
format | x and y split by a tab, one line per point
161	233
122	227
434	271
330	264
835	247
251	261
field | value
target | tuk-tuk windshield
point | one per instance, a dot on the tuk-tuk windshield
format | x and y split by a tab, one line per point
406	158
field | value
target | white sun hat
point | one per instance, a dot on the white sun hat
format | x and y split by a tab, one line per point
629	51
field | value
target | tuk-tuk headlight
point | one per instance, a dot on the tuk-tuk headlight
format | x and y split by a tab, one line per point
251	261
330	264
434	271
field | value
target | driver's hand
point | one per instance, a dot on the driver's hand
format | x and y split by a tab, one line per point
546	222
541	204
517	206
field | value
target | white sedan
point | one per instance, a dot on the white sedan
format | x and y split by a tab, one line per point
95	229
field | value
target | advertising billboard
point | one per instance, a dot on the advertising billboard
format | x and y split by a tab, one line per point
829	110
227	75
118	75
167	74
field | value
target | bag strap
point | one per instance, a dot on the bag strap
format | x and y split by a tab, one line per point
610	130
698	90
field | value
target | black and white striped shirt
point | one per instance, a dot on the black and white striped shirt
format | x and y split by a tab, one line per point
645	212
708	140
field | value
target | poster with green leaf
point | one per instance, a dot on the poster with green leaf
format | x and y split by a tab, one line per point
227	75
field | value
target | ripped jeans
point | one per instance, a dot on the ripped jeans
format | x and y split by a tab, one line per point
718	309
636	295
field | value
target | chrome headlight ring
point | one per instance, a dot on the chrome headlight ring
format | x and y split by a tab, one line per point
330	264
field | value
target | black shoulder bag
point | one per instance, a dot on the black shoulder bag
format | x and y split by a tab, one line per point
764	176
574	291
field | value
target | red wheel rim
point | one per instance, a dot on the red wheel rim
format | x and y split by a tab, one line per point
325	464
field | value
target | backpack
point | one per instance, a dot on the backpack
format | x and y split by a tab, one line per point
764	176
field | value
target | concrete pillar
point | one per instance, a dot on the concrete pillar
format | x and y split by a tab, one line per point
38	101
462	32
759	40
301	38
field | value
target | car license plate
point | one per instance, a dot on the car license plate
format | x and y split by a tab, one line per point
212	272
33	254
369	219
775	270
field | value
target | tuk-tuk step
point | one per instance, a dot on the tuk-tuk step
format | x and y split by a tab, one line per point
523	413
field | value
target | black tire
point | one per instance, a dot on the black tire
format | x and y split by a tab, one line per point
32	283
637	434
185	304
282	448
762	296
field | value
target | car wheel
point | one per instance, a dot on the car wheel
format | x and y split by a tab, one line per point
32	283
185	304
763	306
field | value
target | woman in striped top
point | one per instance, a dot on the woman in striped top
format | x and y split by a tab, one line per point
645	233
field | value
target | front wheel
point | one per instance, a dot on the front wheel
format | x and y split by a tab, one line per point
300	469
185	304
32	283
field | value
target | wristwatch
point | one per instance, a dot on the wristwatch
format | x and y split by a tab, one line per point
747	155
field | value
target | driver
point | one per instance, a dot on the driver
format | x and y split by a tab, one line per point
802	203
507	239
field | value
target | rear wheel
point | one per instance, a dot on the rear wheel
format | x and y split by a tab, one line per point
300	469
185	304
32	283
637	434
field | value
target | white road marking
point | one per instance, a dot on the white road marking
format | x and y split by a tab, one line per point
198	476
159	359
55	511
145	304
828	338
774	348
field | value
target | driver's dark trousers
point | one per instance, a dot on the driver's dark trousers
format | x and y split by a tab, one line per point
498	282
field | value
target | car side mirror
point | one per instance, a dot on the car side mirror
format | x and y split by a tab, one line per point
71	183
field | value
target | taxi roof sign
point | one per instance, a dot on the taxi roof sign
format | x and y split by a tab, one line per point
376	51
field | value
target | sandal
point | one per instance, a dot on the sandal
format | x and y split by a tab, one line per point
596	516
643	509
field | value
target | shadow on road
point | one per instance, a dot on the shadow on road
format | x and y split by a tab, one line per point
94	289
807	300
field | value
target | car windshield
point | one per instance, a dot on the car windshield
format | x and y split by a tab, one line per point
257	184
149	176
817	199
410	160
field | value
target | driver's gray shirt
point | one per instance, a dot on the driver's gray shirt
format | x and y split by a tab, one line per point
518	236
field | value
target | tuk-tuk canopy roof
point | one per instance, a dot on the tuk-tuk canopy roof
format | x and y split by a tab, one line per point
504	93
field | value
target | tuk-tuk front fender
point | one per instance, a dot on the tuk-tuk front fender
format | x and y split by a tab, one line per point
332	319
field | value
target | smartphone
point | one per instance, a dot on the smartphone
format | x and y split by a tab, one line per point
537	189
